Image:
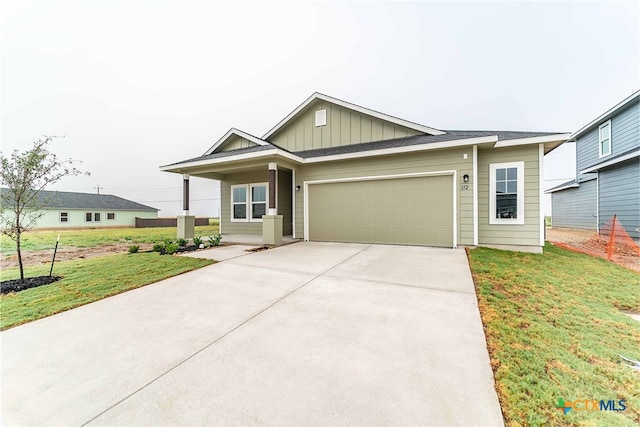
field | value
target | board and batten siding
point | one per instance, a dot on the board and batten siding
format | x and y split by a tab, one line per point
344	127
51	218
284	201
625	135
576	207
527	234
619	194
236	143
410	163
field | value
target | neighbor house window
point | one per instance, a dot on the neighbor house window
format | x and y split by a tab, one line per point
64	216
506	188
248	202
96	217
111	215
604	139
88	216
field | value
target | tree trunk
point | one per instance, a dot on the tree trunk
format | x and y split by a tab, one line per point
20	259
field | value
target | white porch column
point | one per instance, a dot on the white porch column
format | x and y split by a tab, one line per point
185	222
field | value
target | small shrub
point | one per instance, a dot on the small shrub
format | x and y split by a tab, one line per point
171	248
133	249
215	240
197	241
159	247
181	242
167	241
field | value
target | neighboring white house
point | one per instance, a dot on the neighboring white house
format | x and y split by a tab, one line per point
66	209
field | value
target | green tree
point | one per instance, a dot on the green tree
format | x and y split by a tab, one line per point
25	175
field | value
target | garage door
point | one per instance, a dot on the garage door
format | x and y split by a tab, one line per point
408	211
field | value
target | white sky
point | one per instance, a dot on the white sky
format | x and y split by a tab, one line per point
138	84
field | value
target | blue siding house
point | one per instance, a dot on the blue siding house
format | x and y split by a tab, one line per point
607	173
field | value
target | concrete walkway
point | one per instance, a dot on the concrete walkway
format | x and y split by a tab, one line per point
304	334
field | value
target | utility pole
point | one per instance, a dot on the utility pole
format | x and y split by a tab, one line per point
98	188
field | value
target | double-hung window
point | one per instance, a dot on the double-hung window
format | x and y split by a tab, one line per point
249	202
506	187
604	139
64	216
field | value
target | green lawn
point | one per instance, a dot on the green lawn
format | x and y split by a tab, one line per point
46	240
87	280
554	330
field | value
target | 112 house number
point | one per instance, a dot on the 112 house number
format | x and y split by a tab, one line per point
464	187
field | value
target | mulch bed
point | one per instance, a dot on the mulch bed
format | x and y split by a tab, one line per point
16	285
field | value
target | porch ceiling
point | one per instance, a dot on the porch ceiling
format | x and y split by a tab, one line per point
218	171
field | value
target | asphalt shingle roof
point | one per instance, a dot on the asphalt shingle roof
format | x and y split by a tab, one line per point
70	200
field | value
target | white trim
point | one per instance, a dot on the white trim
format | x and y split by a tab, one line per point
601	117
237	132
611	162
600	153
533	140
520	196
371	153
564	187
541	191
246	202
598	201
474	172
405	149
273	166
381	177
293	203
363	110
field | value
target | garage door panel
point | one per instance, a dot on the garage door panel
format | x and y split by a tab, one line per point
413	211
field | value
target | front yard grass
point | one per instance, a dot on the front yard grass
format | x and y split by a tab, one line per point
39	240
554	330
87	280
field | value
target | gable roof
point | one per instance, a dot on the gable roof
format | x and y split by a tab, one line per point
453	138
234	132
71	200
606	115
358	108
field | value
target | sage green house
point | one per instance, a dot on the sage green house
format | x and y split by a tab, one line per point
64	209
335	171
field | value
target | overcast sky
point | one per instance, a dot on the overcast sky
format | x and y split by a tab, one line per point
138	84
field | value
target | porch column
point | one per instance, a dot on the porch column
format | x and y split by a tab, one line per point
272	222
186	223
273	188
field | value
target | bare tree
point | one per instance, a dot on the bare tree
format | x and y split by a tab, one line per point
25	175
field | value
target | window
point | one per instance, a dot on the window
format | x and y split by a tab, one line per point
92	216
64	216
238	203
249	202
258	201
111	215
604	139
506	203
96	217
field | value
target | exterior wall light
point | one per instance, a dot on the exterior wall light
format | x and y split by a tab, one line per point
465	177
297	188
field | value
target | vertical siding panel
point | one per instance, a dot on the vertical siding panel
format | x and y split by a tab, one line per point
366	129
355	128
333	123
388	131
345	127
376	130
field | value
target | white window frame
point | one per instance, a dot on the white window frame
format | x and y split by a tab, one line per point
111	213
90	217
97	215
250	198
246	202
249	201
492	194
600	139
66	218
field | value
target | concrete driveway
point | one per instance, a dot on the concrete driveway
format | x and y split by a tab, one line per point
304	334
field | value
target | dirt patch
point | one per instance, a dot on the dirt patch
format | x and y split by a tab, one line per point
66	254
577	240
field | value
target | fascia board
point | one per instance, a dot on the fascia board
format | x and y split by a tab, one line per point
406	149
237	132
363	110
533	140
